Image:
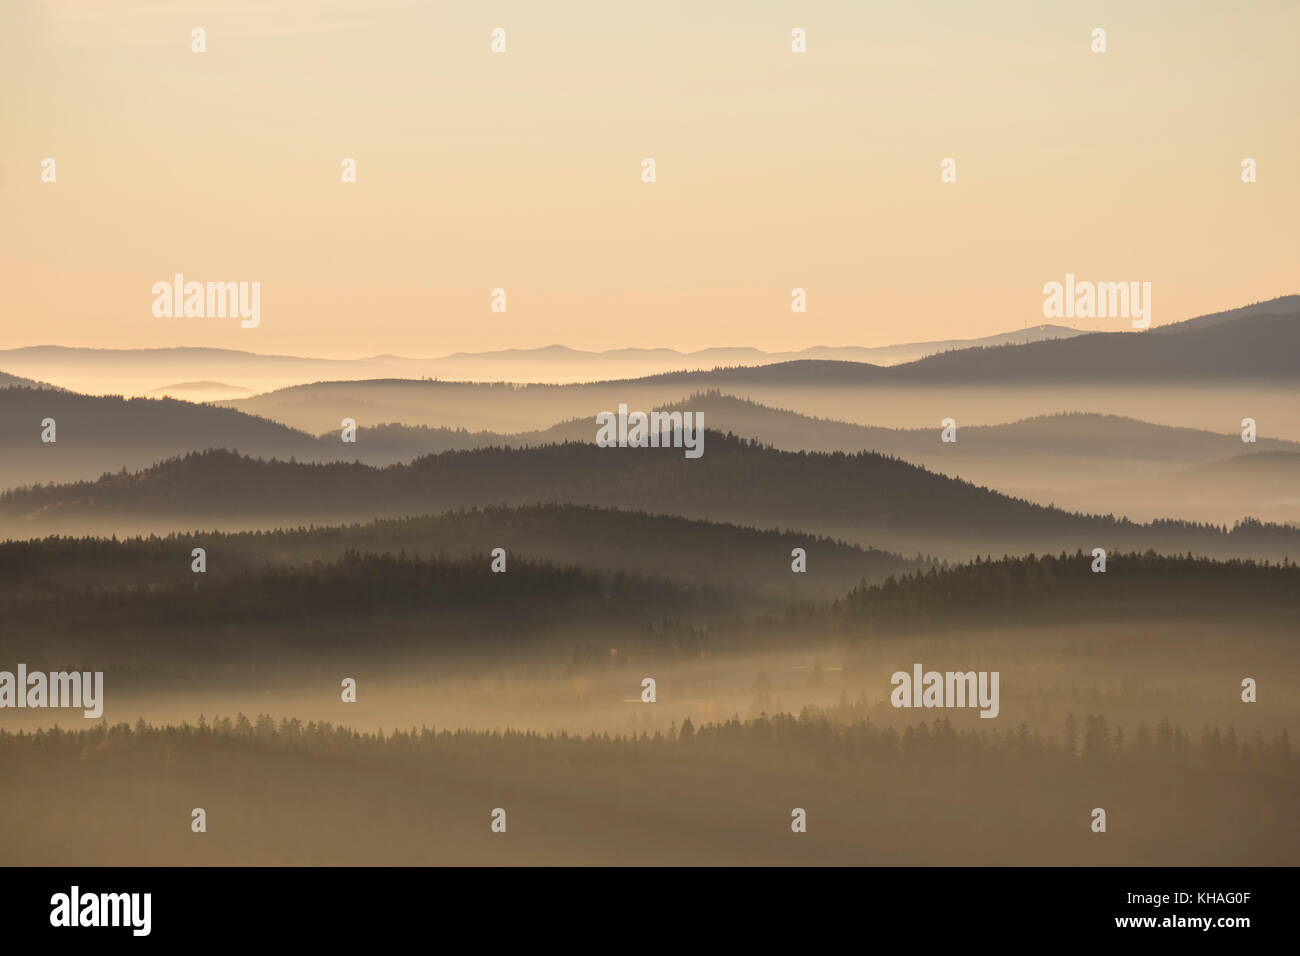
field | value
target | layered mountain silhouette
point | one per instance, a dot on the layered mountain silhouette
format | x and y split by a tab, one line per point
745	560
1252	359
509	409
1067	459
1041	352
1263	343
279	612
865	498
148	371
1077	435
95	434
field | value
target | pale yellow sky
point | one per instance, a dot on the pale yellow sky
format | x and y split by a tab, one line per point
522	170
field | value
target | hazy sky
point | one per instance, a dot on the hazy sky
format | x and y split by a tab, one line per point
523	170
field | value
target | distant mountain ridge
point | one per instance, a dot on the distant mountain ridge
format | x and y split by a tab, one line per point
150	371
1262	343
1257	346
1282	305
569	364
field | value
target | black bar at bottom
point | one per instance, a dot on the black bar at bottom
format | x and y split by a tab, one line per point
921	905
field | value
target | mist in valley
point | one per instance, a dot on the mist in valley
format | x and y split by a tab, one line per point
586	772
474	637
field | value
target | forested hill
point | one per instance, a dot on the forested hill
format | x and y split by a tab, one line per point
865	497
689	551
371	600
1064	588
400	604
